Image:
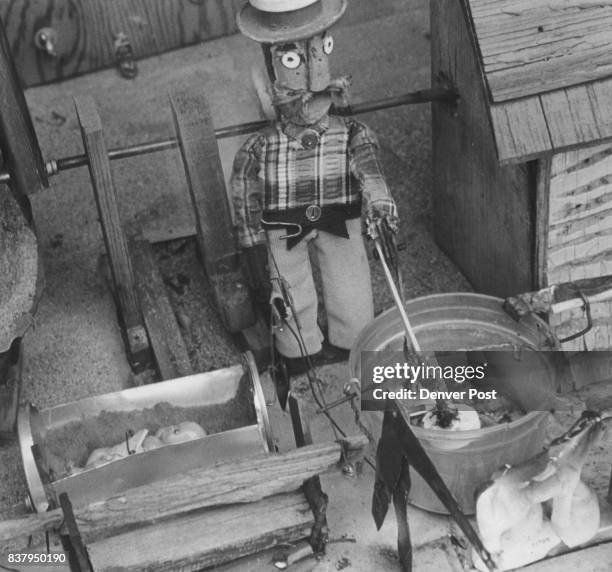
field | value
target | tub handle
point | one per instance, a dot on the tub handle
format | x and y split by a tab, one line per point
589	326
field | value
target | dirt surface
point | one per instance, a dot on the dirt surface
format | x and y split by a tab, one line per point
209	345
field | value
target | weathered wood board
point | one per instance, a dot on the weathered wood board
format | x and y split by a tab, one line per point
546	71
112	230
484	217
206	183
206	539
245	480
531	47
86	30
169	350
580	235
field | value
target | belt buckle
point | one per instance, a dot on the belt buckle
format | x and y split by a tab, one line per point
313	213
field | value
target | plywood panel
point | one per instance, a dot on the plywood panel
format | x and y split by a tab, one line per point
85	30
530	47
580	235
484	216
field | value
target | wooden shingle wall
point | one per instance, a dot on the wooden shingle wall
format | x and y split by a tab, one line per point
580	235
553	121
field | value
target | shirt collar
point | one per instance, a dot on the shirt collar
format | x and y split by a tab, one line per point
295	132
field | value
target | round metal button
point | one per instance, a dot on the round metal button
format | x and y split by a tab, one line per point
310	139
313	213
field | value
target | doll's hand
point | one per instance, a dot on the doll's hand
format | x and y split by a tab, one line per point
383	210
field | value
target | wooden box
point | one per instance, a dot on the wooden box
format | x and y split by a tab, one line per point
522	166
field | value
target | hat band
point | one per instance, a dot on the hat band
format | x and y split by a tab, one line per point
293	19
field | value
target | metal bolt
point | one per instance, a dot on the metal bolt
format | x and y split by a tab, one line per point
46	40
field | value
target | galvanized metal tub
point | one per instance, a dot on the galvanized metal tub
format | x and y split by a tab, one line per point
216	391
467	322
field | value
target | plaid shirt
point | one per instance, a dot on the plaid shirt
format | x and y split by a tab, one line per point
273	172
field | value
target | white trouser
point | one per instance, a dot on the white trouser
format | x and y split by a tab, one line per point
347	289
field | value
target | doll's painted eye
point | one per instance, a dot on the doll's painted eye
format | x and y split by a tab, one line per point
328	44
291	60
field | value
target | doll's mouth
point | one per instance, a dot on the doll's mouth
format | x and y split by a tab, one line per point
337	87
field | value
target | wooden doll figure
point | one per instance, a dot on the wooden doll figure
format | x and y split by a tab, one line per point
306	180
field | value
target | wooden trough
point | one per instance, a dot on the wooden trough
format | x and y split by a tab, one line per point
523	164
198	504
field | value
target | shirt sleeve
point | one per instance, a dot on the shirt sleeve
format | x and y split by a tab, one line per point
366	168
247	193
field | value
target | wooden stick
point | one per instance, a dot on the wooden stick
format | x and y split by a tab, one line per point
243	481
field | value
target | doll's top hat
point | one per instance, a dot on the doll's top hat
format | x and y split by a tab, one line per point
274	21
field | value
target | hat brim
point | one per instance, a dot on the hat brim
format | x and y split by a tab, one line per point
252	25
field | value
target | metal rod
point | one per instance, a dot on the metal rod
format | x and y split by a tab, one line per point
396	296
122	153
54	166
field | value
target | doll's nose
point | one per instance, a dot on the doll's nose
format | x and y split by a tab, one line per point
318	69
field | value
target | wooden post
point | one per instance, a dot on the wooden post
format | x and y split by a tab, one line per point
215	237
20	151
112	230
73	543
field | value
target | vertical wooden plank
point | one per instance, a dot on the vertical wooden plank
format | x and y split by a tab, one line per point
167	343
483	211
206	184
580	236
20	151
112	230
542	217
569	118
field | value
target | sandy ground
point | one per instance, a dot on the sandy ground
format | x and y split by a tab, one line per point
75	349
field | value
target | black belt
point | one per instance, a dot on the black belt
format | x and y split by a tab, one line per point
330	218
